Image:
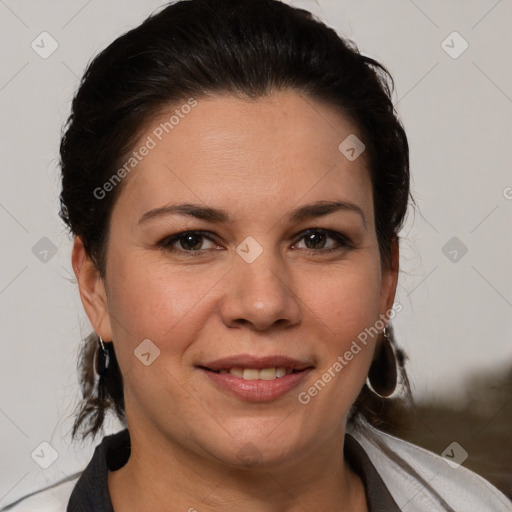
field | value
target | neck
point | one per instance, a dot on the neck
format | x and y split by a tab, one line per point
161	475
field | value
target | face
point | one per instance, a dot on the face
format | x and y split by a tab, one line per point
243	240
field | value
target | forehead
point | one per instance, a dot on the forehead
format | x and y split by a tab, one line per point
275	150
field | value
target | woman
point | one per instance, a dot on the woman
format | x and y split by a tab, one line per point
235	178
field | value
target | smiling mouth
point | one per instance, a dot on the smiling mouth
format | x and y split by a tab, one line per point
271	373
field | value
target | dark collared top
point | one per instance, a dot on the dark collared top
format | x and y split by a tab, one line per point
90	493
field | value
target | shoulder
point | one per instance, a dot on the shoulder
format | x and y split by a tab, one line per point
50	499
411	472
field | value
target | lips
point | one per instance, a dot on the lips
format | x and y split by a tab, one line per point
256	379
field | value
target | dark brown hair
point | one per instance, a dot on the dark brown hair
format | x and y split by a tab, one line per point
193	48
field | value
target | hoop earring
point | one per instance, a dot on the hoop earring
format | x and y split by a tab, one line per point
101	364
101	360
383	374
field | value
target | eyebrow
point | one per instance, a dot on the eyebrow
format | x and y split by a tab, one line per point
309	211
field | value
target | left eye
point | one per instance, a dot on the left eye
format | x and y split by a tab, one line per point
316	239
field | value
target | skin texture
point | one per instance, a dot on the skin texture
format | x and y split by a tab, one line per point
258	160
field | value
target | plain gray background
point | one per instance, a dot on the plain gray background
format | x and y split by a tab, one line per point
457	113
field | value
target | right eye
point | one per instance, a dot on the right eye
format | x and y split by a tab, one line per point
187	242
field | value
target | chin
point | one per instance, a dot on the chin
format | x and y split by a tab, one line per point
257	447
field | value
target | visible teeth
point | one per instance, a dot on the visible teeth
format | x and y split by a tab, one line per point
237	372
255	374
280	372
267	374
250	374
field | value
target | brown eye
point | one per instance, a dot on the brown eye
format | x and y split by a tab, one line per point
315	240
191	242
188	242
321	240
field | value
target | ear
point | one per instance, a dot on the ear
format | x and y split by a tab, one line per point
389	279
92	290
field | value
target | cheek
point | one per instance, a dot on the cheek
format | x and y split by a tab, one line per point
344	298
157	301
344	308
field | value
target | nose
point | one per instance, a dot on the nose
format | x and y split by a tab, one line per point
260	295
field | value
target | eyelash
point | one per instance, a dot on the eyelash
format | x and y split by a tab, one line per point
342	241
